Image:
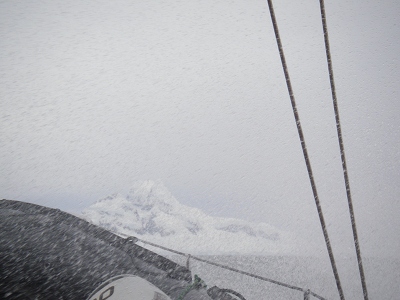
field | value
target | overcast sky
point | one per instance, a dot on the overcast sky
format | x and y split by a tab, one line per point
95	95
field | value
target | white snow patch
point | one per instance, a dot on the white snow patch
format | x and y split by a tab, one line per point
151	213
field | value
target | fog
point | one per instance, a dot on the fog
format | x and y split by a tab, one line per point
96	95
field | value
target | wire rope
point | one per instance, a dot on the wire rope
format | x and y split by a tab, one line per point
231	269
341	146
305	152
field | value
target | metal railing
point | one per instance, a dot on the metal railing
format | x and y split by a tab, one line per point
306	292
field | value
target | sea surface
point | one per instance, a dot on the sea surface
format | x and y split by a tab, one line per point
382	276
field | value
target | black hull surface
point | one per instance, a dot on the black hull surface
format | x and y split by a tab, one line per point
49	254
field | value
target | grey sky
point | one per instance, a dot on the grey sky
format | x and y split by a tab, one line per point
97	94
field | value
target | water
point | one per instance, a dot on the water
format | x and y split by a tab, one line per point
382	274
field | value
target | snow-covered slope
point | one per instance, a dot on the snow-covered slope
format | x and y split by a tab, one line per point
151	213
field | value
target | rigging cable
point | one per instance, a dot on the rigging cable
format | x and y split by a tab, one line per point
289	286
305	153
341	145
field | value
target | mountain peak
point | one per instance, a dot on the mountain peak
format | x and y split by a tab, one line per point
150	212
148	194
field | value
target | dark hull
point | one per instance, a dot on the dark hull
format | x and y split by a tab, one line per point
49	254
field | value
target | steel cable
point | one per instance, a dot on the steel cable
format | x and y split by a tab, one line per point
342	153
232	269
304	148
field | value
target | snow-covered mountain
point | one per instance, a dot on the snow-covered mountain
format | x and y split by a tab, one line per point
150	212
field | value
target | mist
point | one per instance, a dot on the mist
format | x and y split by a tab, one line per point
96	95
